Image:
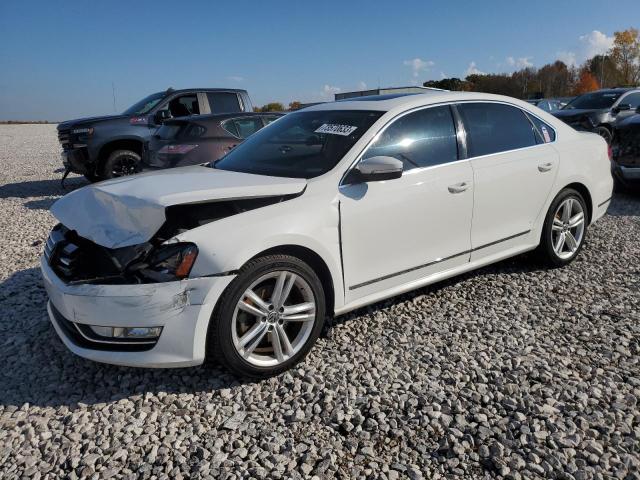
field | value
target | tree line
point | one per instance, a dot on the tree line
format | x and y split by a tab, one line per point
619	67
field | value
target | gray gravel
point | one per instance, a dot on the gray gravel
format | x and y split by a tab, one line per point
513	371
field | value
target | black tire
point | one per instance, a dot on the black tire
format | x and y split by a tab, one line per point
220	345
121	163
605	133
93	178
545	250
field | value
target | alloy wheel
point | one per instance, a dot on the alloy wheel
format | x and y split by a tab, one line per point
125	165
567	231
273	318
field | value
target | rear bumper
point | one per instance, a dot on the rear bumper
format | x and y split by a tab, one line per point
182	308
627	174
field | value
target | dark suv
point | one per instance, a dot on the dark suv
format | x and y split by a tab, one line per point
599	111
104	147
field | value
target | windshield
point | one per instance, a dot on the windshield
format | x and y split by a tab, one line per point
595	100
300	145
145	105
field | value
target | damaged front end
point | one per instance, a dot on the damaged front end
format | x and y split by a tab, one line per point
78	260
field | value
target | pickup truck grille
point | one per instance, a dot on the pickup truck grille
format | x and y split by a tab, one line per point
64	137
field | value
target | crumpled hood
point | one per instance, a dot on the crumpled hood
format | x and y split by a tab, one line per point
130	210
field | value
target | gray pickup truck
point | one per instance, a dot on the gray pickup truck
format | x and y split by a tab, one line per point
112	145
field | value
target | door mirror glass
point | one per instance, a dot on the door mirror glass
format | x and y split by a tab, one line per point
374	169
622	108
160	116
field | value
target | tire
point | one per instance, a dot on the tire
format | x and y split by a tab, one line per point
556	224
92	177
121	163
231	325
605	133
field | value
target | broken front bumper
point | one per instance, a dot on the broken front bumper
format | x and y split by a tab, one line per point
181	308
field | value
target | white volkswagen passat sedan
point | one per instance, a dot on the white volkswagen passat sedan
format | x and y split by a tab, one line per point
325	210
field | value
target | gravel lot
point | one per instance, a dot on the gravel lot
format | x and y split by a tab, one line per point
512	371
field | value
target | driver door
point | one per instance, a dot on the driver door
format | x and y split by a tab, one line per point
395	232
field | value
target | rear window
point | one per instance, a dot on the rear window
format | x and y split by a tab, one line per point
242	127
544	132
495	127
223	102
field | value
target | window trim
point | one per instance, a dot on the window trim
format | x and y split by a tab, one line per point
393	120
463	132
524	112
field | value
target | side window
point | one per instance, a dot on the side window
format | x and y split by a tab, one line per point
223	102
544	133
419	139
632	99
247	126
268	119
184	106
494	127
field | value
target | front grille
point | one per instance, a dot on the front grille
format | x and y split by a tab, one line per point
83	337
64	136
78	260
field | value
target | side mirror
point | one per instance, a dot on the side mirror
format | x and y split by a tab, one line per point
623	107
375	169
161	115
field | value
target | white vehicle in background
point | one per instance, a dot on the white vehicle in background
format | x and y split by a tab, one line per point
325	210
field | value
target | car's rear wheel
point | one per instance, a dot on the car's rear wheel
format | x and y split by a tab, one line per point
564	229
268	318
121	163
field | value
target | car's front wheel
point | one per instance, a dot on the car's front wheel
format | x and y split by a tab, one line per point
268	318
564	229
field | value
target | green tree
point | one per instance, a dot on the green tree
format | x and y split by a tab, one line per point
626	54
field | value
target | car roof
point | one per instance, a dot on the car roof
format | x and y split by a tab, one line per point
187	90
222	116
387	103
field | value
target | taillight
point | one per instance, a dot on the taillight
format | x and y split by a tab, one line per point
177	149
610	152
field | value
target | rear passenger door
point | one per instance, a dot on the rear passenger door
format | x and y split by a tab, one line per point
514	167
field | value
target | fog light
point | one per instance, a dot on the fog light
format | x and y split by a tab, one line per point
127	332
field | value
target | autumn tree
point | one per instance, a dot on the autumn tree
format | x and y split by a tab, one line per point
270	107
586	82
605	70
295	105
626	54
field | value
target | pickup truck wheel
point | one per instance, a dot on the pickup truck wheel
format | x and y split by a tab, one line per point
121	163
268	318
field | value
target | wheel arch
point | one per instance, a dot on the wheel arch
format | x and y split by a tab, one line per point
127	143
582	189
315	261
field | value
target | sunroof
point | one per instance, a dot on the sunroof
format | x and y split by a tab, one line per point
376	98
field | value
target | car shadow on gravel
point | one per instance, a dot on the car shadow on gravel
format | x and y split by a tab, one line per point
625	204
48	191
30	349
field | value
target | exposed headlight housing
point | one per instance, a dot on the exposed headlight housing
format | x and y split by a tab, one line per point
170	262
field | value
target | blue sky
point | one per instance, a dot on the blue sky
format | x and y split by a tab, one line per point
58	59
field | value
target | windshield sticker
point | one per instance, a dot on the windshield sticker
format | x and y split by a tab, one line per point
335	129
545	134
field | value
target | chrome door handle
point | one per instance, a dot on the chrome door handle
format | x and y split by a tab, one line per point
458	187
545	167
